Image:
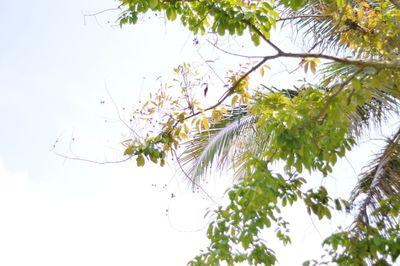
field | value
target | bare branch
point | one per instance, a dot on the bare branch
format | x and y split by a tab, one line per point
234	54
102	11
229	92
118	113
212	69
266	39
91	161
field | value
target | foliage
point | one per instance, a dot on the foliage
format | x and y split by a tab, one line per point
377	242
253	206
352	49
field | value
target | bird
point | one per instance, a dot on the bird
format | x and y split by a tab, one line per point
205	89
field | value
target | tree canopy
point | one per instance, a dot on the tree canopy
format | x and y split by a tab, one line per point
351	48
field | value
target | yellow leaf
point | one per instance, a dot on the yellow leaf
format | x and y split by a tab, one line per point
205	123
234	100
177	130
360	14
313	67
185	129
365	4
198	125
223	109
183	135
181	116
216	115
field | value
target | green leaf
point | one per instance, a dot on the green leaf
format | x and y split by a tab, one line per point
221	30
267	222
338	206
129	150
296	4
171	14
256	39
162	162
154	157
140	160
153	4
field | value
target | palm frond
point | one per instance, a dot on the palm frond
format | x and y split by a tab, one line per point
384	101
375	113
317	29
323	30
220	146
379	181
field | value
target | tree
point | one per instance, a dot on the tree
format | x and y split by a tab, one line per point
352	48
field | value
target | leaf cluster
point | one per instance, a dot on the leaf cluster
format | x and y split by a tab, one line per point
220	16
303	131
254	205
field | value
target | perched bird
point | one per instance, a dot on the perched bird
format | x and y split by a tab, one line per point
205	89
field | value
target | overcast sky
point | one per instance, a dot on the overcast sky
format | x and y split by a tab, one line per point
55	66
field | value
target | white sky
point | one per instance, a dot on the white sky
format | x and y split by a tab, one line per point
54	65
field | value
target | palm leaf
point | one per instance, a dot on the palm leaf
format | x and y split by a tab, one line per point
379	181
384	101
373	114
316	29
220	146
225	144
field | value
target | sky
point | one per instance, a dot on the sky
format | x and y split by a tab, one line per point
65	79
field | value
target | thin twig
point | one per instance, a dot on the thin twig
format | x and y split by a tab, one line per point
102	11
91	161
231	89
212	69
234	54
118	113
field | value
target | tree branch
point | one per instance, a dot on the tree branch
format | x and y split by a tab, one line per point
266	39
303	17
234	54
102	11
359	63
281	54
91	161
229	92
